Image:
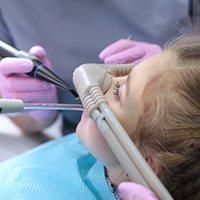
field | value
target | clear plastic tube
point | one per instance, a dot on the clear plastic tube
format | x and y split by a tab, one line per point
17	105
52	106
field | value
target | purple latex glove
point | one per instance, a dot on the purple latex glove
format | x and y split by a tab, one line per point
133	191
128	51
15	84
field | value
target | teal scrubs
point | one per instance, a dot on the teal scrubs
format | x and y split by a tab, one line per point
59	169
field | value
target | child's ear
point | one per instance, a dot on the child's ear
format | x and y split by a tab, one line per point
154	164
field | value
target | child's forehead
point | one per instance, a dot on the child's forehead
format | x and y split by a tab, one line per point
152	64
148	71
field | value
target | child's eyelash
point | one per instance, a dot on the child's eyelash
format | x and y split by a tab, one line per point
116	91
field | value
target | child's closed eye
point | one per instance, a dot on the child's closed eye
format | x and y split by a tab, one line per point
116	91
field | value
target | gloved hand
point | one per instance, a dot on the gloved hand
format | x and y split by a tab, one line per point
128	51
15	84
131	191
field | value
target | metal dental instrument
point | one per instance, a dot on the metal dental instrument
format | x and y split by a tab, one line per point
40	71
17	105
95	81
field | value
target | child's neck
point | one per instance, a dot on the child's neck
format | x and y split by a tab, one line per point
117	175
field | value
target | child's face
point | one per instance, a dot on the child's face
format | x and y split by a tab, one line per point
125	104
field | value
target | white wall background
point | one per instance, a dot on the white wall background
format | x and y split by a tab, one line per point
13	142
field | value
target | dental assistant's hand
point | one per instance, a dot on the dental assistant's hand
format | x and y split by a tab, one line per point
15	84
128	51
133	191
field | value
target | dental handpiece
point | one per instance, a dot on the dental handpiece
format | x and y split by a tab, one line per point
39	71
17	106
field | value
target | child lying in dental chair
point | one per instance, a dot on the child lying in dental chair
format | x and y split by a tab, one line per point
158	104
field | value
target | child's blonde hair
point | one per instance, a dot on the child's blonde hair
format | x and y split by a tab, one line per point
169	127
